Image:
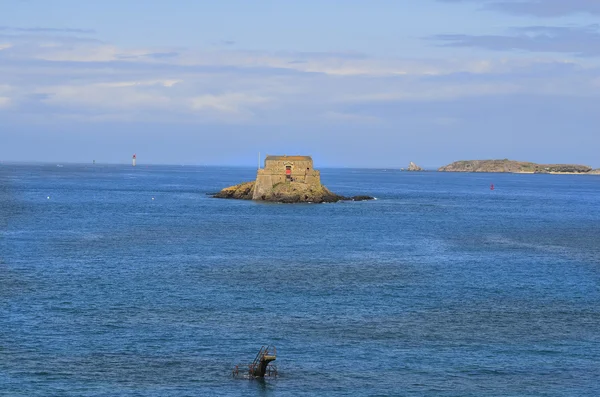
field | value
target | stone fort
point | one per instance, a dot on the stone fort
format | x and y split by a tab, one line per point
285	169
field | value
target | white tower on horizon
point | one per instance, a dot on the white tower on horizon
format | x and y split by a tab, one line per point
133	160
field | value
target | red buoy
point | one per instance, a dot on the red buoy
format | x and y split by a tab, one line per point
492	187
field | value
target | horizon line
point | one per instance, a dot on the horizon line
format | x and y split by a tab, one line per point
26	162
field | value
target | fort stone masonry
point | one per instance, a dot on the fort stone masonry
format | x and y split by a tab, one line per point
282	169
286	179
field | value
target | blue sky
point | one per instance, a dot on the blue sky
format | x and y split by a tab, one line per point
354	83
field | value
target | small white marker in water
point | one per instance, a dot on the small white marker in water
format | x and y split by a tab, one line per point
152	198
48	197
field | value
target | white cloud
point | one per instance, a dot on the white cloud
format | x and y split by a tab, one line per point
5	92
234	103
100	96
342	65
80	53
164	83
435	92
346	117
98	80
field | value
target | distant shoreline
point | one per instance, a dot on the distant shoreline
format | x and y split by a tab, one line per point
253	167
517	167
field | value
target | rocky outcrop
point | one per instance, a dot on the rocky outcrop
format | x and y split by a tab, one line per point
287	192
413	167
595	172
563	169
514	167
243	191
489	166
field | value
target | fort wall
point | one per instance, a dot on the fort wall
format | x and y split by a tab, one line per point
285	169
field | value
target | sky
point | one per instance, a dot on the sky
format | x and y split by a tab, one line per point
353	83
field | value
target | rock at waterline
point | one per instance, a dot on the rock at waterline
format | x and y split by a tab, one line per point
287	192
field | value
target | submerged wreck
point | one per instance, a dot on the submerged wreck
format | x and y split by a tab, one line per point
261	367
286	179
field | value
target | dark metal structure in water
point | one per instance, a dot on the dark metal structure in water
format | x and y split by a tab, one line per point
261	366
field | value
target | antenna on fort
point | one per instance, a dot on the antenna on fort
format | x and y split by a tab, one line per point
259	160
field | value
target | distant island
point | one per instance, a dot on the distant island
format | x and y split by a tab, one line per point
413	167
519	167
286	179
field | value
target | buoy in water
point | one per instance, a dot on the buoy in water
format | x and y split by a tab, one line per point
492	187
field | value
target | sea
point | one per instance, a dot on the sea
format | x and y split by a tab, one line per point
123	281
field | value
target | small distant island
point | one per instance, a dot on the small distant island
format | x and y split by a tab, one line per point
413	167
286	179
518	167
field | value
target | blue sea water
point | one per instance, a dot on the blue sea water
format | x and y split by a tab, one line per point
441	287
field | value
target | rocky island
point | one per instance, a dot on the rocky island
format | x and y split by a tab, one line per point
512	166
286	179
414	168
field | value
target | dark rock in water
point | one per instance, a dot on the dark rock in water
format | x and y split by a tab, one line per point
361	198
288	193
243	191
